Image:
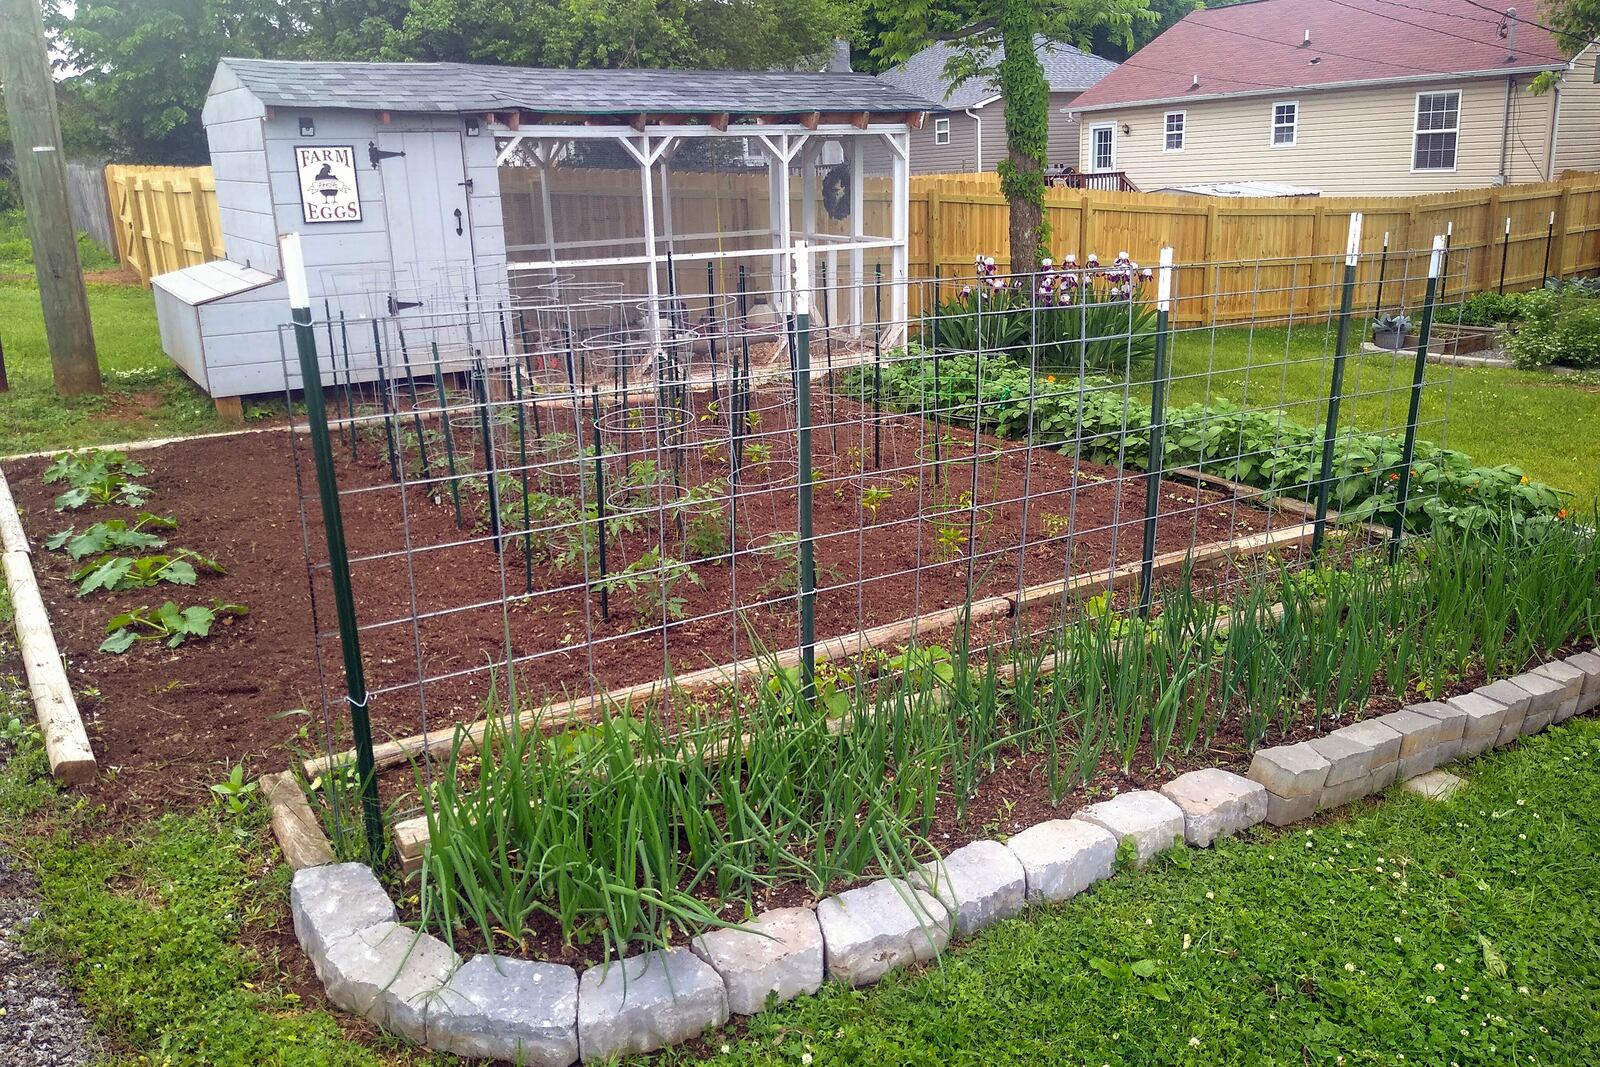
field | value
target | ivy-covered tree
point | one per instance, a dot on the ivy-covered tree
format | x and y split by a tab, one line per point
996	39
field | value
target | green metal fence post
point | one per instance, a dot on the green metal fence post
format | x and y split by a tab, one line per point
1408	452
1336	387
808	570
1158	433
333	526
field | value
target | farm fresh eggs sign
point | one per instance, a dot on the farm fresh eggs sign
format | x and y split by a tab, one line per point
327	175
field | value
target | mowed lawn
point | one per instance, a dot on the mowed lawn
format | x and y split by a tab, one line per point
1545	423
1411	932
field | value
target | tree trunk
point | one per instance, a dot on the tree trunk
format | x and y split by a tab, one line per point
1027	97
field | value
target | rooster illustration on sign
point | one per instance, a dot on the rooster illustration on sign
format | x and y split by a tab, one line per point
325	183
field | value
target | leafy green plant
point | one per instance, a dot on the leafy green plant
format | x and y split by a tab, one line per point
653	583
1557	329
706	535
119	573
111	535
168	623
87	465
874	497
234	791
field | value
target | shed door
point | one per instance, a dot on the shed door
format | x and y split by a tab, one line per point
430	228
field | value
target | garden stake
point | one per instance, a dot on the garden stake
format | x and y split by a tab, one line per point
827	343
349	380
877	366
294	273
935	339
1408	450
416	405
711	321
972	497
522	463
1549	235
480	383
808	572
743	401
599	501
1383	262
1158	429
383	402
333	360
1336	387
1505	251
449	432
1444	270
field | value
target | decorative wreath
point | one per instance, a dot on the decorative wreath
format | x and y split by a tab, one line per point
836	191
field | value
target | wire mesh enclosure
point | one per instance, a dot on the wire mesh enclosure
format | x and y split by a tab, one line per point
594	513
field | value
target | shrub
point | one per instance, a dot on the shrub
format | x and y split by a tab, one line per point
1557	329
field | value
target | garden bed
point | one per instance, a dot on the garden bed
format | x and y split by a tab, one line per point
170	719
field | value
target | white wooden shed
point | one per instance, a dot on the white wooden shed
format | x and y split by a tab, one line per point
392	175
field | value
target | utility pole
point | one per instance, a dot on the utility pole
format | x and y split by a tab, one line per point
42	174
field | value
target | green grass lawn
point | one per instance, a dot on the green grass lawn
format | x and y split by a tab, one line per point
1410	933
16	250
146	395
1542	422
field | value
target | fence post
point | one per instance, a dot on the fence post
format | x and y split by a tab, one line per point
294	272
1158	432
1213	274
808	573
1564	217
1336	387
1408	451
1491	212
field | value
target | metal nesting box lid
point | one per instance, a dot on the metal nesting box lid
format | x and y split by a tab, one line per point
211	281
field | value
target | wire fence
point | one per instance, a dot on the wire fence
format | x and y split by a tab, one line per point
588	501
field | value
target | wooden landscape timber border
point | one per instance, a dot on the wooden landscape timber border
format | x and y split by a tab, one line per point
66	743
889	635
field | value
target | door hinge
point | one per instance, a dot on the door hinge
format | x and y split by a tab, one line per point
467	185
397	306
376	155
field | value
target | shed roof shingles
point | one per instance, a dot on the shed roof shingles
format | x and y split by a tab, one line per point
466	87
1257	47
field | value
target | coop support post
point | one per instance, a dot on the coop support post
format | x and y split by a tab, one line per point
858	223
1336	386
1408	451
294	272
1158	433
900	206
808	572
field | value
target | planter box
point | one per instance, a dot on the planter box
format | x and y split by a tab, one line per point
1448	340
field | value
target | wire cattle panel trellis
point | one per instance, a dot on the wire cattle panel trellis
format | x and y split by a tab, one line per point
555	509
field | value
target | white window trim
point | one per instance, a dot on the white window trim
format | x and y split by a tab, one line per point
1416	101
941	131
1183	132
1094	167
1272	125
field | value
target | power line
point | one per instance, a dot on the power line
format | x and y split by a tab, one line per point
1434	29
1583	39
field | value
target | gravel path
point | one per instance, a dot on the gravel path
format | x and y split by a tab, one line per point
41	1024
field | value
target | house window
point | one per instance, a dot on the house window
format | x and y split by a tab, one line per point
941	131
1102	148
1285	124
1175	124
1437	129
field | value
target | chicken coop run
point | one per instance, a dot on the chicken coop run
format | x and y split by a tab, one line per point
453	208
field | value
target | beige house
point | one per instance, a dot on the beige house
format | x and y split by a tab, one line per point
968	133
1346	97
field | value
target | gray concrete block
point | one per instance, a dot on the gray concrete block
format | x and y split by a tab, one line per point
1452	720
979	884
1281	811
496	1008
1516	700
1544	700
1571	680
1435	785
779	952
390	974
1347	758
1589	664
1447	752
647	1002
1216	804
1289	770
1485	719
1383	777
1153	821
1417	763
1063	857
1418	733
333	902
1337	796
1383	742
870	931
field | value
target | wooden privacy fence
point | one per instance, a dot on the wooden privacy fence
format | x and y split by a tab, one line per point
165	217
1255	259
1261	258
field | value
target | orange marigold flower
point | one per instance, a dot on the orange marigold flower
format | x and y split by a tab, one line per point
1394	476
1561	514
1526	479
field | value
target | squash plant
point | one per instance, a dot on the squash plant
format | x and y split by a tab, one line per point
168	623
111	535
116	574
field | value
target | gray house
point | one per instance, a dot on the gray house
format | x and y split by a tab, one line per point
970	133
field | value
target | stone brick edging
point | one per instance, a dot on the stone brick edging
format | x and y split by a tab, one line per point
547	1015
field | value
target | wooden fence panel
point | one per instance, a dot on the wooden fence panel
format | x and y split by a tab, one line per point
1254	259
